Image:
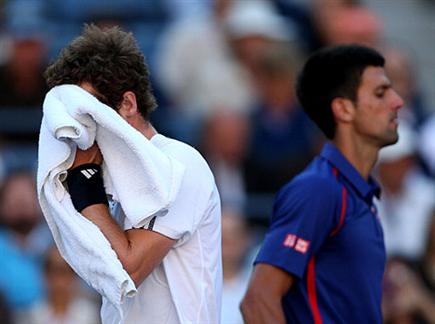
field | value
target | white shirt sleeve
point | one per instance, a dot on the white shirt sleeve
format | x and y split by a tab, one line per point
195	196
183	217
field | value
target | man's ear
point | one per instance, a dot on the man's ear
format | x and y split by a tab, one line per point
343	109
128	107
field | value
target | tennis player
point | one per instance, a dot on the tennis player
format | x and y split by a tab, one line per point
175	259
323	258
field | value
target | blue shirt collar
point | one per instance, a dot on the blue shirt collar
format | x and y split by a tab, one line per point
366	189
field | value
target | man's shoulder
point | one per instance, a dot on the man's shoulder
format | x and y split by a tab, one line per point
310	195
177	149
171	145
195	164
313	179
312	185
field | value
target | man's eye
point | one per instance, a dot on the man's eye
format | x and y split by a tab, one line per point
380	94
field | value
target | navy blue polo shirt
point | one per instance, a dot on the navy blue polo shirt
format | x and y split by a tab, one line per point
325	232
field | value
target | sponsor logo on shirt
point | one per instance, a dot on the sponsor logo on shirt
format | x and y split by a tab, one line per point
290	240
298	244
302	245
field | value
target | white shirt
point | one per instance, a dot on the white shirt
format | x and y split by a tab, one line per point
195	65
80	310
232	295
406	217
187	286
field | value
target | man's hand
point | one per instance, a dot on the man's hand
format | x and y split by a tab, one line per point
91	155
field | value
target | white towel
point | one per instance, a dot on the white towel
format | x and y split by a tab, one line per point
138	175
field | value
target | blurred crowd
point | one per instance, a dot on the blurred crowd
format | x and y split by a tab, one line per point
223	74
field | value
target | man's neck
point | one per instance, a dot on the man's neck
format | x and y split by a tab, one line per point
149	131
143	126
361	155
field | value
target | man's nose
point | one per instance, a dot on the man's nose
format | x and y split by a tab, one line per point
398	102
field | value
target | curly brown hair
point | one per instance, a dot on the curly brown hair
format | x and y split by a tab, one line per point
110	61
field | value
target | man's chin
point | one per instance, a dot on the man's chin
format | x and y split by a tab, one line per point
393	138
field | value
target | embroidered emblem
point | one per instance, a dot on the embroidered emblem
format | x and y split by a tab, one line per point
298	244
302	245
290	240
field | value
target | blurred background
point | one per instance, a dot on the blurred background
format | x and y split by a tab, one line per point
223	74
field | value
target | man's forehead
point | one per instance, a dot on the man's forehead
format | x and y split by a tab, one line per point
374	76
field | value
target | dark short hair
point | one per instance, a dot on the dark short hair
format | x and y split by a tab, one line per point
110	61
330	73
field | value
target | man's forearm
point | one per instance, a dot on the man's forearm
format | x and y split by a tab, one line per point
100	216
257	310
139	250
118	239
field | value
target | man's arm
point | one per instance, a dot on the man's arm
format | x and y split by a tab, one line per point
262	302
139	250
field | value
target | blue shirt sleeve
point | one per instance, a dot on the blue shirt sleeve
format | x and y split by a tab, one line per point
304	214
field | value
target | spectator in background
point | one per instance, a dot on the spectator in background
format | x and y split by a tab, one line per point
236	240
23	240
204	63
406	300
194	65
196	72
408	200
63	303
224	142
21	81
253	27
344	22
298	16
283	138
